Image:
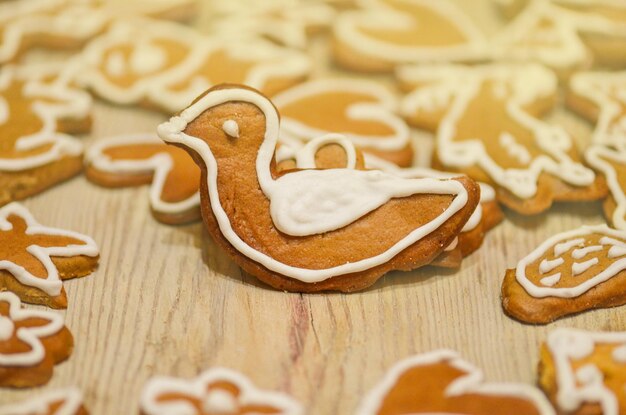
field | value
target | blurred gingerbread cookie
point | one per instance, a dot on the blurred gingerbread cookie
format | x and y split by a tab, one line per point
362	110
214	392
35	259
165	66
309	230
584	372
57	402
569	273
385	33
31	343
37	106
530	163
441	382
132	160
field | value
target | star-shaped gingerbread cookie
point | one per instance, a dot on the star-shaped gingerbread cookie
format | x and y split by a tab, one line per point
35	259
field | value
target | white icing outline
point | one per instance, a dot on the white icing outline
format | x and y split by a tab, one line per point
274	63
591	22
381	110
159	164
472	382
173	131
460	84
596	156
75	104
52	284
29	335
377	14
569	292
596	86
197	388
305	156
571	51
72	399
584	386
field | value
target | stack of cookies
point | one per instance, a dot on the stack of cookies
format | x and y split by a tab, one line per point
325	144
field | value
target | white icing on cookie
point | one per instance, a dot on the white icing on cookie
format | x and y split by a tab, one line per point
381	15
548	265
551	280
585	385
305	156
73	104
526	83
215	399
582	252
600	158
380	111
231	128
50	284
71	401
564	242
470	383
29	335
161	164
308	202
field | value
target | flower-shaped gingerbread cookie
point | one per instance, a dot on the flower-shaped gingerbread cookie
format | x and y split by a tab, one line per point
31	343
34	259
36	103
216	391
131	160
309	230
386	33
440	382
58	402
530	162
165	65
569	273
361	110
584	373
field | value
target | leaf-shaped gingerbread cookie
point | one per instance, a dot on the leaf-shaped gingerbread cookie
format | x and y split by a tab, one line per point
57	402
441	382
601	98
386	33
131	160
35	259
164	65
361	110
214	392
569	273
308	230
488	126
584	372
31	343
36	105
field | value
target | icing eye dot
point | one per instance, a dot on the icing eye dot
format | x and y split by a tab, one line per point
6	328
220	402
231	128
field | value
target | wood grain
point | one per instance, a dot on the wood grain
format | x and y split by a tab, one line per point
166	301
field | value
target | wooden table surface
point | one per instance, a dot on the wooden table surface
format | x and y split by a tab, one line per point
165	300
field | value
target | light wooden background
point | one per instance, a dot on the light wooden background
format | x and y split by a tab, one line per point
166	301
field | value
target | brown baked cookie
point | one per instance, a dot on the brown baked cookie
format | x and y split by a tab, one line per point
309	230
132	160
36	106
440	382
165	66
601	98
57	402
35	259
584	372
362	110
31	343
333	151
26	25
214	392
386	33
529	162
569	273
